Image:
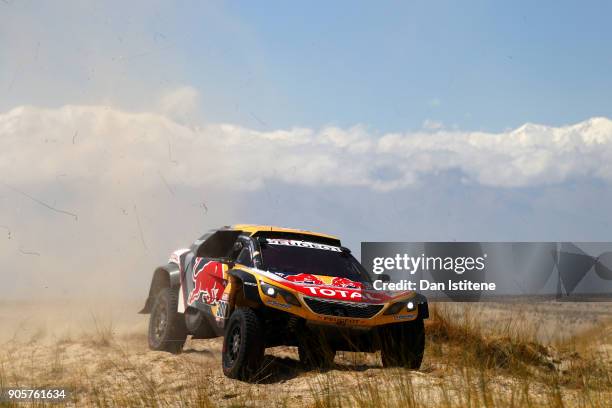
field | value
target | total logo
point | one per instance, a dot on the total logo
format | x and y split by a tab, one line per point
342	293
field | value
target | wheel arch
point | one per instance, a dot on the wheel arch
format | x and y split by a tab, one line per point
167	276
244	291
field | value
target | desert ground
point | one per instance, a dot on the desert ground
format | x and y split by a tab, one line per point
553	354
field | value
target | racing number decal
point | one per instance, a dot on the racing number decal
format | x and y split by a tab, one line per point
222	310
208	284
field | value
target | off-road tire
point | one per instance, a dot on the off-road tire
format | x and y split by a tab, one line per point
167	330
403	345
243	345
314	352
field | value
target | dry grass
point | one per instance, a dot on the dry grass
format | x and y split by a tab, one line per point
474	358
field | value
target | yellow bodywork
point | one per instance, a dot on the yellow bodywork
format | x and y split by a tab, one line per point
252	229
305	312
233	294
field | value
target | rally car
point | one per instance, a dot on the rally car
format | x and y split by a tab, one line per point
262	286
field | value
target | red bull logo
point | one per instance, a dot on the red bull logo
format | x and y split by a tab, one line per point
346	283
304	278
205	281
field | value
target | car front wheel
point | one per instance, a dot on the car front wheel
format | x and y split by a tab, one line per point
403	344
243	345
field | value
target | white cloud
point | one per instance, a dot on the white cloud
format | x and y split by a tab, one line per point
115	145
141	183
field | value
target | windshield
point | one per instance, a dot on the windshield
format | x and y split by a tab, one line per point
293	257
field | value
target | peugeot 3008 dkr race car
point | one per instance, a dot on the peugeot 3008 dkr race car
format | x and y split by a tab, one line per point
261	286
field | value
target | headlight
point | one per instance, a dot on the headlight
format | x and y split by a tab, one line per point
269	290
273	292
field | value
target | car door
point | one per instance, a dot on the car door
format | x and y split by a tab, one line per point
205	278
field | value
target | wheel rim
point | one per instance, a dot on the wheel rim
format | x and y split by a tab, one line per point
233	345
160	322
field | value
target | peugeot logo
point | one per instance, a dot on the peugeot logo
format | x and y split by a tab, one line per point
339	312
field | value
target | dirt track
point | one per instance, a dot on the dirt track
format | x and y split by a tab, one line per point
110	364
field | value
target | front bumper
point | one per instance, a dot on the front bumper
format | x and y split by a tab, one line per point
317	310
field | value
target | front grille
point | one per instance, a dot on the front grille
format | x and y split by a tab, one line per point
342	309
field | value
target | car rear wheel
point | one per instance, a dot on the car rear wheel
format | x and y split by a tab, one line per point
315	352
403	345
167	330
243	345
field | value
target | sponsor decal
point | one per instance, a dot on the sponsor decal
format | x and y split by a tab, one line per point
341	321
205	282
304	278
335	293
222	310
347	294
278	304
302	244
346	283
402	317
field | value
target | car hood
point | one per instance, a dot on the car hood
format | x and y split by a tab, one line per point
335	288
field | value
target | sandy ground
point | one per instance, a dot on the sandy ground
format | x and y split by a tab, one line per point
99	351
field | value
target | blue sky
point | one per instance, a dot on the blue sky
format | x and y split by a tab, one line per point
479	65
405	121
387	65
